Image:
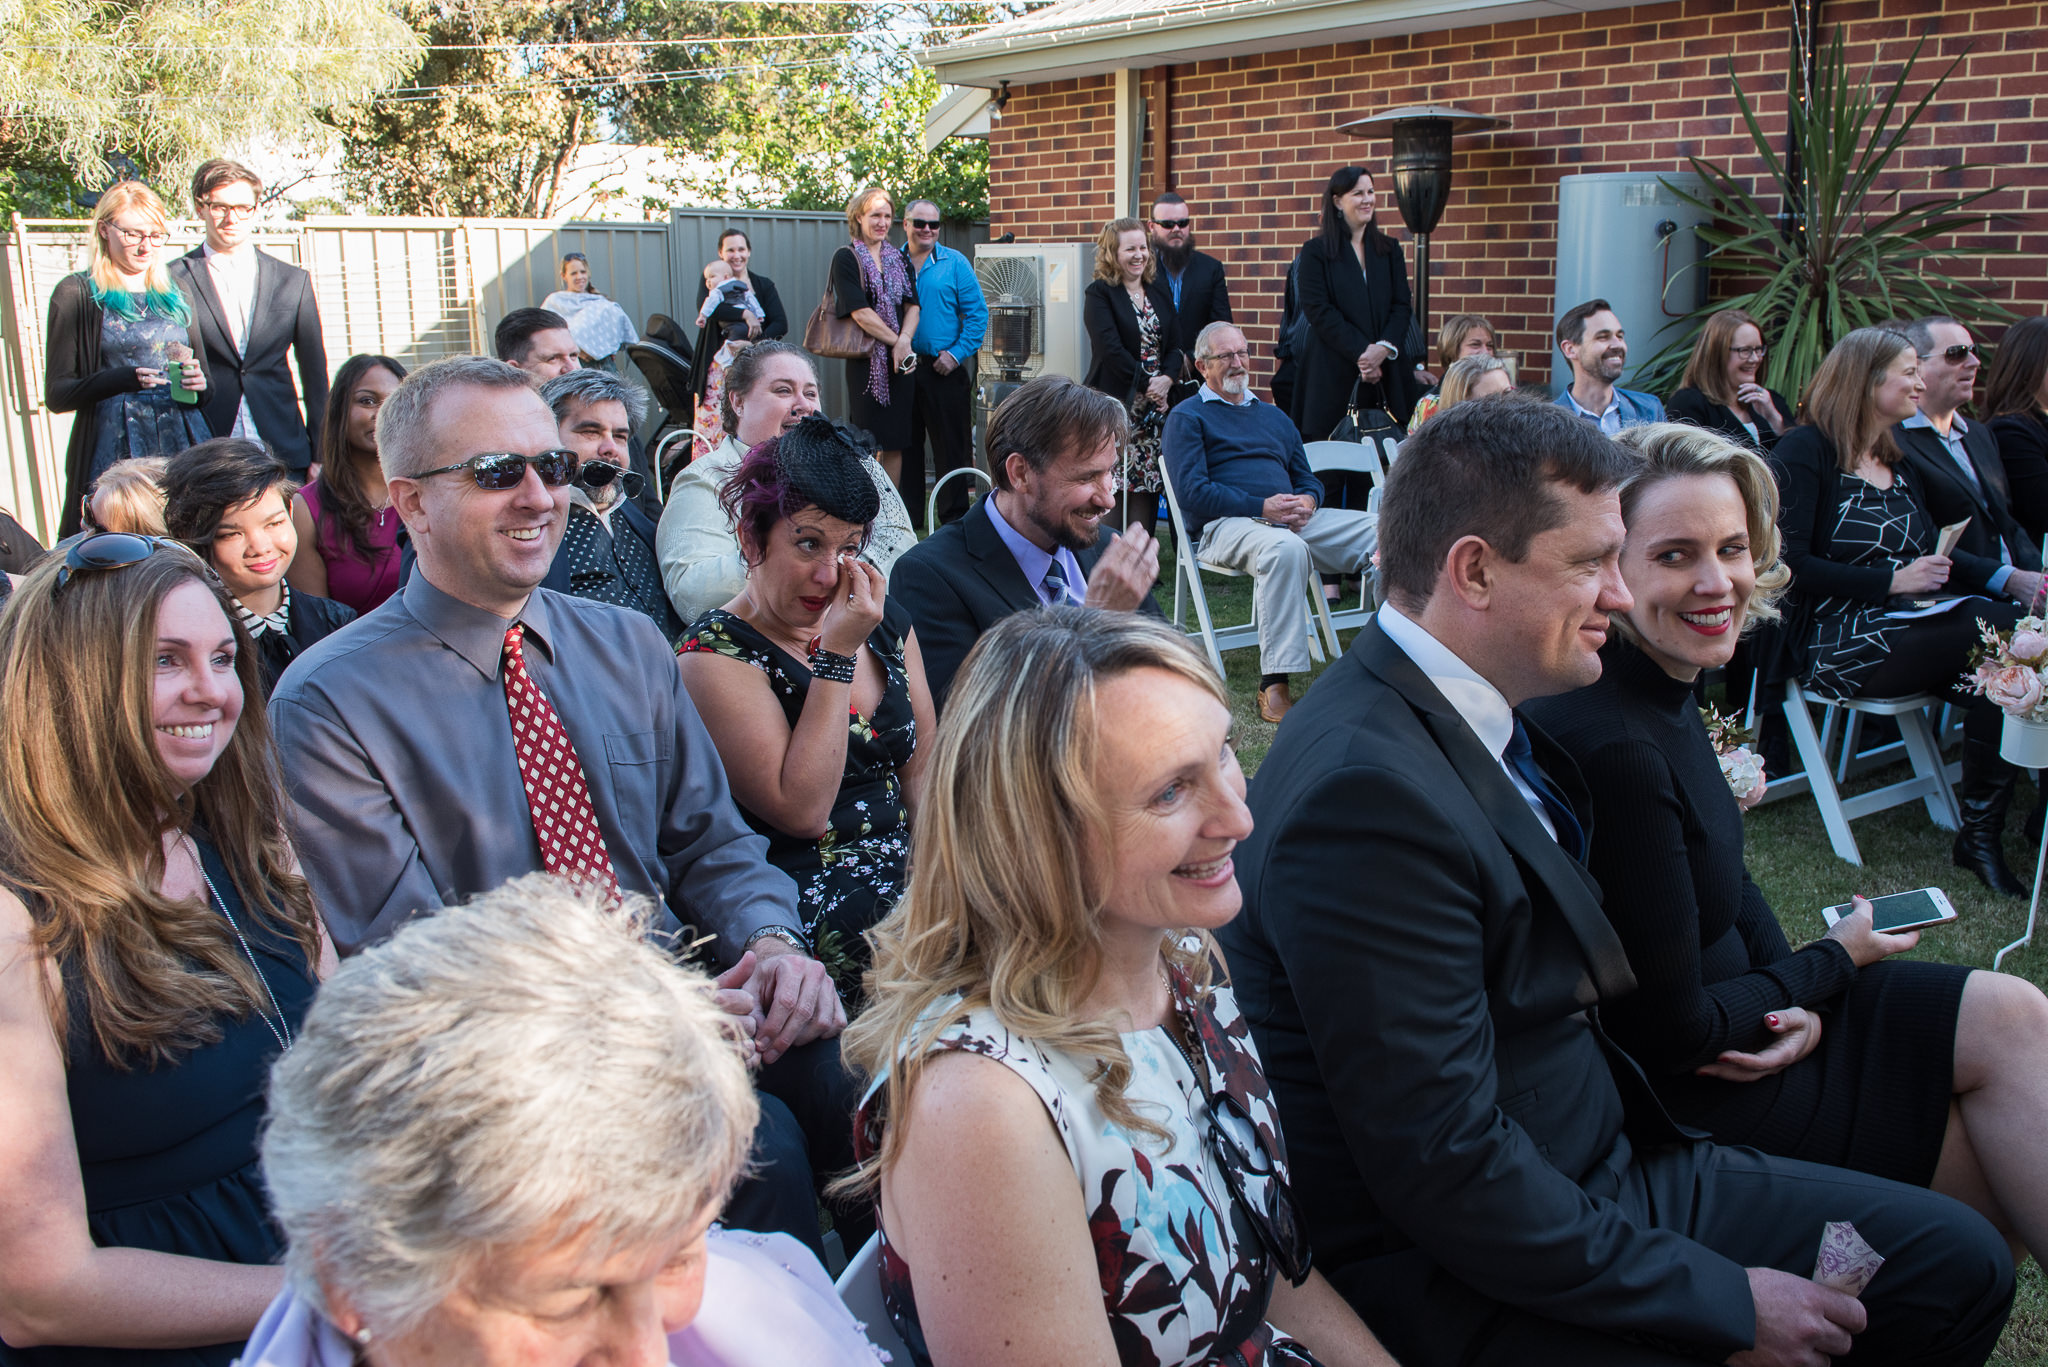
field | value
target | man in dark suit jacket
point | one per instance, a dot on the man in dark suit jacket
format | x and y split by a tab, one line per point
1484	1175
253	311
1195	280
1038	538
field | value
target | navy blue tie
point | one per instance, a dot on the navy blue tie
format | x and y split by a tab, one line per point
1522	759
1055	583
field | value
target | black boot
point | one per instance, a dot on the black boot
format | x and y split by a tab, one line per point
1985	794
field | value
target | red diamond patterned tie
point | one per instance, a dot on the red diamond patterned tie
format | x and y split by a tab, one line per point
570	842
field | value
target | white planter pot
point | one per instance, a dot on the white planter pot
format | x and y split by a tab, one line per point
2024	743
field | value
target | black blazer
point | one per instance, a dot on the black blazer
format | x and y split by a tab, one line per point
1204	298
2023	450
286	318
1694	406
636	566
960	581
313	619
1348	310
1417	958
1950	497
74	382
1113	336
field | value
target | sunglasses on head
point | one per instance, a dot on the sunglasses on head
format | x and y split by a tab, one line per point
930	225
498	471
107	551
596	474
1171	223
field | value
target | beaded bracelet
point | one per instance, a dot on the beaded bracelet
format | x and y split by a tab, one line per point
830	667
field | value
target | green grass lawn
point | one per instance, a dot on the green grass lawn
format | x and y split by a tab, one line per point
1791	861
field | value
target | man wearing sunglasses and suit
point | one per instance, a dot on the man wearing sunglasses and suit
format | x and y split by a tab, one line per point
476	727
607	550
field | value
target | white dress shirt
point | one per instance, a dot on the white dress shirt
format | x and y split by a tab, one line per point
234	280
1477	701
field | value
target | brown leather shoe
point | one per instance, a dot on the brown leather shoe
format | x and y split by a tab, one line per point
1274	702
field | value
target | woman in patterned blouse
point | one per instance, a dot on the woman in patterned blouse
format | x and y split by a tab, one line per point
1074	1154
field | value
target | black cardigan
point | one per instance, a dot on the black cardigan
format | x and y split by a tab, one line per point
312	619
1696	407
2023	450
75	382
1113	334
1348	310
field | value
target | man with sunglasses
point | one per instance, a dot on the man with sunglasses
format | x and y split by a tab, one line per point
254	312
951	323
476	727
1201	295
608	547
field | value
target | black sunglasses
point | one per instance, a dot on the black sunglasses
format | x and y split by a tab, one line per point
596	474
107	551
1171	223
928	224
1261	1192
1954	355
498	471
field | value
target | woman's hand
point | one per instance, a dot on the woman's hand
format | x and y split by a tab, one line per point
195	378
1157	388
899	352
1924	575
1758	400
856	606
1867	944
1797	1031
1370	360
149	377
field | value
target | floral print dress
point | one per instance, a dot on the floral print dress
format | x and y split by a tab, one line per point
145	422
1142	454
851	877
1185	1273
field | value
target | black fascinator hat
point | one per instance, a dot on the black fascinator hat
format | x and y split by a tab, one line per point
821	465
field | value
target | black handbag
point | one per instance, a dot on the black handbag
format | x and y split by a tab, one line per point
1366	423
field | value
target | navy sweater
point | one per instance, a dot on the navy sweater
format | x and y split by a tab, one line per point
1226	459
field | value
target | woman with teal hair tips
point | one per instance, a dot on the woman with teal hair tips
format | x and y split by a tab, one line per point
122	349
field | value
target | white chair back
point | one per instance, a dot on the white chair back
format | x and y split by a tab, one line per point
931	502
1361	456
860	1287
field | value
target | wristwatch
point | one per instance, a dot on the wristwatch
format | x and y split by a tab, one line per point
783	933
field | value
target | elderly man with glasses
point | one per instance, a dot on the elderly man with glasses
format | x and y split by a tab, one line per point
477	726
255	315
1241	478
951	322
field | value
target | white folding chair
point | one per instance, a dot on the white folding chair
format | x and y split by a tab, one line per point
1357	457
1929	784
931	502
860	1287
1187	585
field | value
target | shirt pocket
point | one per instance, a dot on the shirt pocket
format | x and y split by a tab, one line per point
636	758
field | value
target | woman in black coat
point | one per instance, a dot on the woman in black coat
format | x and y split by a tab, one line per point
1134	331
736	250
1720	390
2016	397
1351	285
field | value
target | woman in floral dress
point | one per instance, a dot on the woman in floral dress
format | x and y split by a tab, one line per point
812	688
1134	338
1074	1153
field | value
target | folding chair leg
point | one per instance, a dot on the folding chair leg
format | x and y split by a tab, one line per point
1820	781
1208	627
1942	808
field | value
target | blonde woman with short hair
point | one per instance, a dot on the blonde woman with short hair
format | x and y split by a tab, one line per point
1469	377
123	347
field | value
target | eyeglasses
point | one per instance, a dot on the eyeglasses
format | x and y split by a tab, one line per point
930	225
135	237
107	551
1953	355
498	471
1172	223
1748	353
596	474
1241	354
1262	1193
230	212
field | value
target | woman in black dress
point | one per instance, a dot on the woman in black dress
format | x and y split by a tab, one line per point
1720	391
1921	1072
1351	285
2016	398
157	952
1134	334
1857	536
812	687
872	284
230	500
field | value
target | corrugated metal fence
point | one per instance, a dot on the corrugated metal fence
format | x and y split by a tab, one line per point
416	289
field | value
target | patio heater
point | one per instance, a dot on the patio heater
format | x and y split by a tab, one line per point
1422	136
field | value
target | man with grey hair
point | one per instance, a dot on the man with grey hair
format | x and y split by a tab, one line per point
479	727
1240	475
608	548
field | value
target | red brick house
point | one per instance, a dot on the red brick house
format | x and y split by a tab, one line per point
1236	107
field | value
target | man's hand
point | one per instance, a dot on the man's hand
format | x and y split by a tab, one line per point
1797	1031
734	999
1798	1323
1126	572
1291	511
2024	586
944	363
797	996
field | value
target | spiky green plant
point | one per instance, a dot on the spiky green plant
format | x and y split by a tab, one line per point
1854	255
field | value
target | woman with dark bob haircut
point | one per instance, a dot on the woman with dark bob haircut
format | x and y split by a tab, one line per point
812	687
2016	401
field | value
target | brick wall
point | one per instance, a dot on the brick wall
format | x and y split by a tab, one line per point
1252	139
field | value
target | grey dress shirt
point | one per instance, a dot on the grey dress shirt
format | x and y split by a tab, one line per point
397	752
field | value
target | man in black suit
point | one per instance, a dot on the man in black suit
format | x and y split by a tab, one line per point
1484	1175
1038	538
253	310
1201	295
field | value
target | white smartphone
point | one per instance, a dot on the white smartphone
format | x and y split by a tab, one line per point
1901	910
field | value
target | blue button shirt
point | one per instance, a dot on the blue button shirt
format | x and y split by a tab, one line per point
1035	562
951	315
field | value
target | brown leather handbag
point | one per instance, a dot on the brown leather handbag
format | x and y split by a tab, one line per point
830	335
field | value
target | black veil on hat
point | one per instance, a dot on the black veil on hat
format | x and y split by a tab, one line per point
821	464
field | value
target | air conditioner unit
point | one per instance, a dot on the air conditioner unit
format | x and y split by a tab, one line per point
1033	291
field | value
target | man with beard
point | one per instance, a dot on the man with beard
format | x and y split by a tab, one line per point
1037	538
1241	477
1201	296
1591	339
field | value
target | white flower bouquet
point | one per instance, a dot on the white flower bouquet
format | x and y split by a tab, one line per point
2008	668
1741	766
